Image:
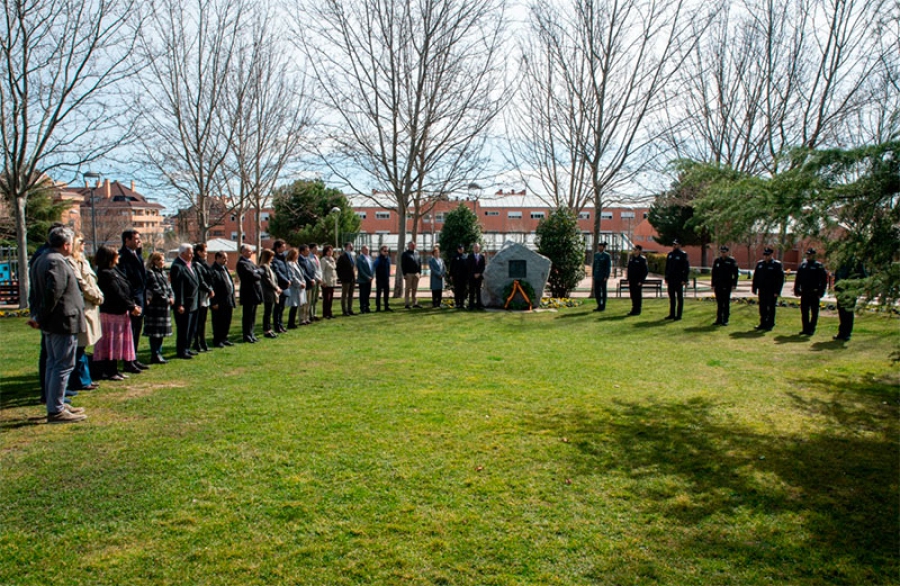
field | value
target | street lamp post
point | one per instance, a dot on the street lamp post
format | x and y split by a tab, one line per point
337	216
96	177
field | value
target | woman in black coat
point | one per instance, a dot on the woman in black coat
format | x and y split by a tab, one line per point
250	277
160	297
117	342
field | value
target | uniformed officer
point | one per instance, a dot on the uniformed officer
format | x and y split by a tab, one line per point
724	281
678	269
601	269
636	274
810	286
768	279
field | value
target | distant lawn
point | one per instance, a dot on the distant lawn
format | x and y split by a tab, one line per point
443	447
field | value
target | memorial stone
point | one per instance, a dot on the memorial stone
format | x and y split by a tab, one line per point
514	262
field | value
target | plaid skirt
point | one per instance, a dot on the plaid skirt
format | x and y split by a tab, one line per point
117	342
157	321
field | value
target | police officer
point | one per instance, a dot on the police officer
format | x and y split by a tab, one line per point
601	270
724	281
677	270
768	279
636	274
809	286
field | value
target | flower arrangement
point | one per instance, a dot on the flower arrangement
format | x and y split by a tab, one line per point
14	313
525	290
557	302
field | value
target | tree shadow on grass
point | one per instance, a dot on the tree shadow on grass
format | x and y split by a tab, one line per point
801	509
20	391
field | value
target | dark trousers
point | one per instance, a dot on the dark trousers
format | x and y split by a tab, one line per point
268	310
221	323
81	376
475	293
156	346
436	297
186	324
600	293
723	304
137	324
809	312
365	293
636	292
248	320
676	298
327	301
200	335
459	294
767	304
382	288
278	316
846	321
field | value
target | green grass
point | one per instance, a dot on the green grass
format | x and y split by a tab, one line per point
446	447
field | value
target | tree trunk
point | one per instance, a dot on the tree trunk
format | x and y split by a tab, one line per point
22	243
401	246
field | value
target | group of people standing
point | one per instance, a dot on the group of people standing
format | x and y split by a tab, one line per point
810	285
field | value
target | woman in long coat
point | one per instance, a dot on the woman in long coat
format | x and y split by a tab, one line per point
160	297
438	271
118	303
296	294
93	297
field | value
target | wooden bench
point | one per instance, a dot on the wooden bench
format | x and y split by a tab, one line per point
9	293
655	284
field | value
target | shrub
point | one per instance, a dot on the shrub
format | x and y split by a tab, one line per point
560	240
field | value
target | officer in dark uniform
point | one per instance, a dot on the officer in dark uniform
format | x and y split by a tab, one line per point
636	274
724	281
810	286
678	269
601	269
768	279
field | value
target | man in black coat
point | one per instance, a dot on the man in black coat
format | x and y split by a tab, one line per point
459	275
810	286
131	262
250	277
222	303
768	279
205	276
475	265
636	274
186	287
724	280
678	269
346	272
279	266
58	311
411	267
383	278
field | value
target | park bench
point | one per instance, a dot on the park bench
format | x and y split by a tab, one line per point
655	284
9	293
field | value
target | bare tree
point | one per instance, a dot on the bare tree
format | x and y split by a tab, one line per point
775	74
60	106
413	87
191	52
270	109
595	77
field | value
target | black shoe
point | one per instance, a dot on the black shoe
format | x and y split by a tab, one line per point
249	340
272	335
669	317
350	313
204	347
186	356
158	359
227	343
676	318
192	352
717	323
841	338
724	323
598	309
129	367
417	306
388	309
292	326
220	345
141	365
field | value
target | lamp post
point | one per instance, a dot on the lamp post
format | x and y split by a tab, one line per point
337	216
96	177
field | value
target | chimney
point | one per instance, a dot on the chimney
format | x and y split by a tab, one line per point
132	185
107	188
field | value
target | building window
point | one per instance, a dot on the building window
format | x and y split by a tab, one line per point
233	218
584	215
382	215
491	213
263	235
606	215
537	215
439	218
626	215
361	215
514	214
382	231
645	215
264	217
234	235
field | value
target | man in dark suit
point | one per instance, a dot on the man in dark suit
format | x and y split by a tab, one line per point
186	286
724	281
678	269
222	302
131	262
475	265
636	274
346	272
365	274
250	276
279	265
601	269
308	268
58	311
459	275
768	279
383	279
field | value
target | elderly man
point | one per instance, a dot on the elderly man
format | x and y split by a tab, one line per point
131	262
186	286
58	312
411	267
476	264
365	274
313	293
250	277
346	272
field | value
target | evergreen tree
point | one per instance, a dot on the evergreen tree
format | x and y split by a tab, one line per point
460	227
560	240
303	213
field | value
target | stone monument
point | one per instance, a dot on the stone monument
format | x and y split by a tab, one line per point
514	262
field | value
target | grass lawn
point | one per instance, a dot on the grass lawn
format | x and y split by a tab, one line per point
443	447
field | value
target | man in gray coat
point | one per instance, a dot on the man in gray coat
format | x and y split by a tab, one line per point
365	274
58	312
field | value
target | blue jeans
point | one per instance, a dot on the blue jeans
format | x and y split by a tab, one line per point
61	352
